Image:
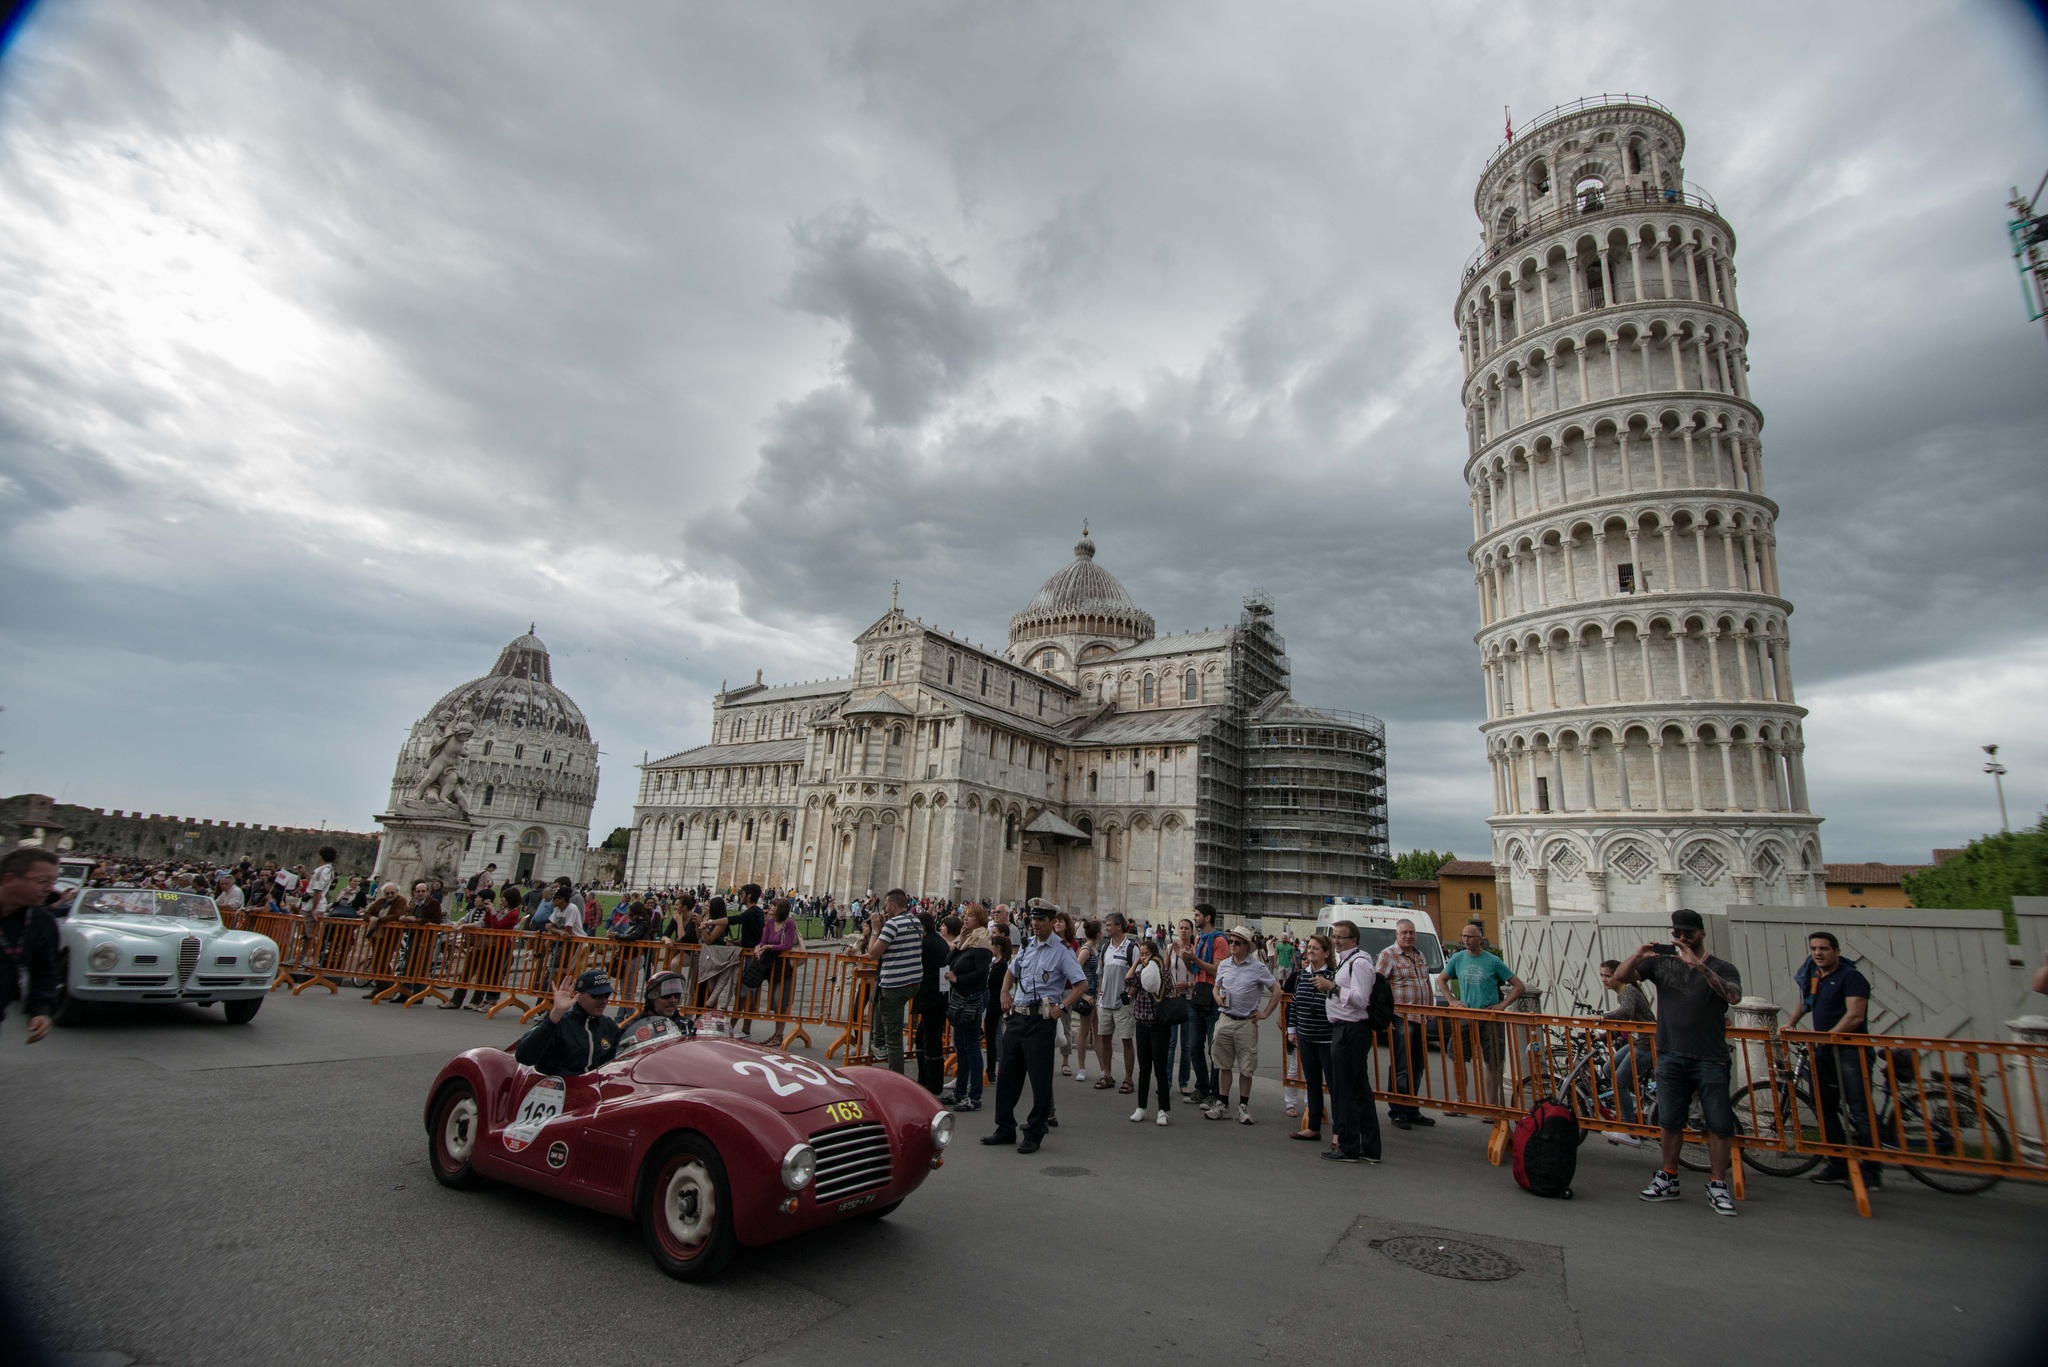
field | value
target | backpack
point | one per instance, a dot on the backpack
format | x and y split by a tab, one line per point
1379	1009
1546	1145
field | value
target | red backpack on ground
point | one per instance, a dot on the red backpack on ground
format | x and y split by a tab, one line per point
1546	1146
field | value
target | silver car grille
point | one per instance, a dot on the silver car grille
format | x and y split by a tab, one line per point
851	1158
188	957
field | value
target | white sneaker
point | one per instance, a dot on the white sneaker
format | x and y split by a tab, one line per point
1244	1115
1161	1120
1632	1141
1138	1116
1080	1075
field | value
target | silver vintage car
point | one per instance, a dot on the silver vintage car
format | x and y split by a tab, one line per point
153	945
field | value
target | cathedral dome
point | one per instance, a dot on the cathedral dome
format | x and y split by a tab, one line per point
1082	598
520	692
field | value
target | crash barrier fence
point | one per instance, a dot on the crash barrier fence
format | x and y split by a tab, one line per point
514	972
1959	1115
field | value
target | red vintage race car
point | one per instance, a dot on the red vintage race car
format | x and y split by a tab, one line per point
710	1143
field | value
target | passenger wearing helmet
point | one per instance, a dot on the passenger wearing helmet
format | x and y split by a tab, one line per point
664	998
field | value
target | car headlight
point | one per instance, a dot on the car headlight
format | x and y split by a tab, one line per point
942	1129
262	959
799	1166
104	956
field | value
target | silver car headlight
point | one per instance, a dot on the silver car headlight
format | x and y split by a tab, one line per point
942	1129
799	1166
262	959
104	956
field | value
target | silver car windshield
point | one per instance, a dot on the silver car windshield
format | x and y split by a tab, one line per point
648	1030
144	902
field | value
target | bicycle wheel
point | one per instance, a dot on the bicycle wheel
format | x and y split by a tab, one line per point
1958	1132
1757	1110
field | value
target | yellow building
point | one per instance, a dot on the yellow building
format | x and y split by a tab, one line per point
1465	889
1870	885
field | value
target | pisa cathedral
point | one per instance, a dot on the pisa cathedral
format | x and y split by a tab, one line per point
1093	762
1645	743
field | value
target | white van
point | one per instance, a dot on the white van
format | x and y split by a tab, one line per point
1376	921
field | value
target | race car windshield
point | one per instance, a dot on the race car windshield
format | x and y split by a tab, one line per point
647	1031
145	902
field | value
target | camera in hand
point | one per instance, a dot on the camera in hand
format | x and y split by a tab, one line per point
1664	949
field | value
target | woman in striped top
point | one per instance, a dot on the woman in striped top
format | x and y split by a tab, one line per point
1308	1028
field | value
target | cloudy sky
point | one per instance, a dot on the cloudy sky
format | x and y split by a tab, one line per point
340	341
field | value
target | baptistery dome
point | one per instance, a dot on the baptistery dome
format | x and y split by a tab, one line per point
529	777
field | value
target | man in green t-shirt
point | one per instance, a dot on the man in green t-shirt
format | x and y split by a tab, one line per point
1473	977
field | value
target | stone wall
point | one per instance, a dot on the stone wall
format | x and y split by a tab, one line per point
133	835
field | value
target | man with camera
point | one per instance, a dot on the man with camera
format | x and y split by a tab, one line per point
1694	992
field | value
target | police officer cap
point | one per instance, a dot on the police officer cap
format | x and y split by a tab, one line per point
594	982
1040	907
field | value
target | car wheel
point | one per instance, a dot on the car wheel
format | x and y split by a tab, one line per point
686	1208
452	1140
70	1010
882	1212
242	1012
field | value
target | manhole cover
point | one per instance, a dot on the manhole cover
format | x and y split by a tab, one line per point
1451	1258
1066	1172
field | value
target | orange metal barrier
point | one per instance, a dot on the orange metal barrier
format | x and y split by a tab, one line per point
1959	1115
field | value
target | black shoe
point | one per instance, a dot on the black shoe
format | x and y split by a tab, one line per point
1418	1118
1830	1177
1874	1182
1052	1122
999	1137
1338	1156
1028	1146
1401	1122
968	1106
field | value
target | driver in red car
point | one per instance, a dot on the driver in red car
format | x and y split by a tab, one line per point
575	1036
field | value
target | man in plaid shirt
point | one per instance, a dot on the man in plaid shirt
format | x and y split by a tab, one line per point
1406	972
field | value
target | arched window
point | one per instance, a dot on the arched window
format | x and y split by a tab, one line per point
896	735
782	829
1045	661
540	801
501	846
487	747
1151	780
1190	687
984	681
547	757
1009	832
714	828
888	668
489	789
749	829
1013	692
951	662
1635	158
519	752
1539	179
1092	776
1590	193
1149	692
1041	702
1085	826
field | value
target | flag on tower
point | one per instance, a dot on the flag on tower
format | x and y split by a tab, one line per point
1508	121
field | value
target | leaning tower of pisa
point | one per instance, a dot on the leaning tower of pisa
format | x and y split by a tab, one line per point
1640	721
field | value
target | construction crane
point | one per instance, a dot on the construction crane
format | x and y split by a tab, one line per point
2029	233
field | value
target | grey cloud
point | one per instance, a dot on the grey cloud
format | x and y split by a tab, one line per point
1067	251
914	333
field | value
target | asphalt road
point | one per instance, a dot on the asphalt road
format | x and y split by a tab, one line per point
181	1191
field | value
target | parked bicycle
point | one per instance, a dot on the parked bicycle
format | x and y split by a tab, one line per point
1914	1112
1583	1066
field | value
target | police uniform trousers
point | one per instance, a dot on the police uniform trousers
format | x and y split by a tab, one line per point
1356	1118
1027	1052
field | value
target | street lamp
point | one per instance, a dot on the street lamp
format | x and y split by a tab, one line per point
1997	772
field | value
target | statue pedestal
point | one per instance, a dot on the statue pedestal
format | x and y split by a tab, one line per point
422	841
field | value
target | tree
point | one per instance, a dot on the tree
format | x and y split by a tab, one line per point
618	838
1421	865
1987	875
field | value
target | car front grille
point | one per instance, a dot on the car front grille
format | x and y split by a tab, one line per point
851	1158
188	957
218	982
158	981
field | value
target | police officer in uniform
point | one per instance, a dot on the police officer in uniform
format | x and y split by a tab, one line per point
575	1036
1043	980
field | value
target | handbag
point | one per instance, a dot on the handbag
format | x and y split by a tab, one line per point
1204	995
1171	1010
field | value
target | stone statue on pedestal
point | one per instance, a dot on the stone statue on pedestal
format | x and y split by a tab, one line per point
441	784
